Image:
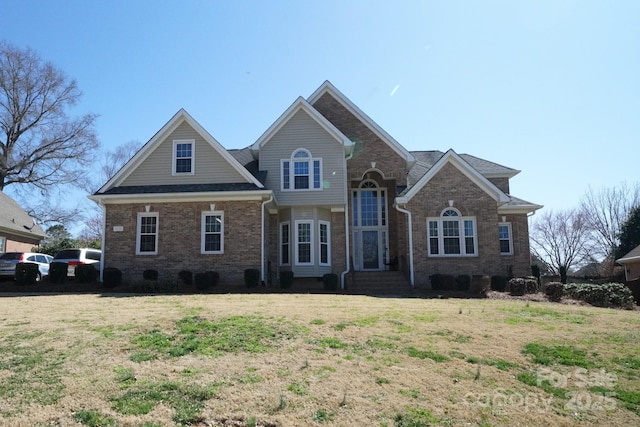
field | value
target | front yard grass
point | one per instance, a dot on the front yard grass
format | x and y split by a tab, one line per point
293	359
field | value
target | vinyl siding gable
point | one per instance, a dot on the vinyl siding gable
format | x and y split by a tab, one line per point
302	131
209	166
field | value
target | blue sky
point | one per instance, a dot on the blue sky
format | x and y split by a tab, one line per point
551	88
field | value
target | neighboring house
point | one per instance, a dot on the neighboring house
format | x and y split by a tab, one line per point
631	264
18	231
323	190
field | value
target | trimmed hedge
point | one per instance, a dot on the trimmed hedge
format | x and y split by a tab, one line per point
605	295
330	282
207	280
517	286
150	274
111	277
554	291
186	277
480	285
523	285
286	279
86	273
251	277
498	283
463	282
443	282
58	272
26	273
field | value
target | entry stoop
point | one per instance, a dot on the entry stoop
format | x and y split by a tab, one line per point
378	283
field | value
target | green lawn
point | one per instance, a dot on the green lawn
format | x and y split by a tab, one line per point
296	359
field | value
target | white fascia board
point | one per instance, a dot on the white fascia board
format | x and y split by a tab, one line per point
518	209
26	234
114	199
363	117
502	175
160	136
629	260
464	167
299	104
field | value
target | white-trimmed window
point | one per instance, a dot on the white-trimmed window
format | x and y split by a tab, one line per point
506	238
452	235
285	239
147	233
212	234
301	172
304	242
184	157
324	242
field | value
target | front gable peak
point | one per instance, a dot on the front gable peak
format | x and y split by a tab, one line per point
300	104
180	118
328	88
451	157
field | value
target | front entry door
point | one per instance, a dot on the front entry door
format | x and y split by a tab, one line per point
370	249
369	227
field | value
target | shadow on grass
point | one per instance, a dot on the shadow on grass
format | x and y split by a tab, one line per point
9	288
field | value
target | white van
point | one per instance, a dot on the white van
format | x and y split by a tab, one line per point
75	257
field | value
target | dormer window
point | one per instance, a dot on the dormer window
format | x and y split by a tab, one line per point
183	157
301	172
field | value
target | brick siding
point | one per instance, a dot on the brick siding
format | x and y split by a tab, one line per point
179	226
470	200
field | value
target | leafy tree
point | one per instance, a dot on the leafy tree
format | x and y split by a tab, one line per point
560	239
58	238
629	233
41	145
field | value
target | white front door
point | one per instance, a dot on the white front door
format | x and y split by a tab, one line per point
369	205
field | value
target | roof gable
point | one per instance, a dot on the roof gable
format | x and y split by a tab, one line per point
327	87
15	220
180	117
451	157
632	256
300	104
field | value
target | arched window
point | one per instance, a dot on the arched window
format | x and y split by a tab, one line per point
301	172
452	234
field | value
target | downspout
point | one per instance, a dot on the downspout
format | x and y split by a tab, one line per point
102	237
529	215
262	238
346	221
410	226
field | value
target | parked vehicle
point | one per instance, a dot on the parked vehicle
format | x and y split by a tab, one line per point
9	260
74	257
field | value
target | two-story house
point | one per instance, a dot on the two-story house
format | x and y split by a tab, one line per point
323	190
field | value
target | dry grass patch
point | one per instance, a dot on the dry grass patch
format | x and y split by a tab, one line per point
280	360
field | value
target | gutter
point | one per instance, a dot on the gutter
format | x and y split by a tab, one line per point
410	227
346	221
262	273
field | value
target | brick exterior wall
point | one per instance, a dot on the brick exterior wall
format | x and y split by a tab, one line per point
369	148
501	183
470	200
179	226
338	260
520	261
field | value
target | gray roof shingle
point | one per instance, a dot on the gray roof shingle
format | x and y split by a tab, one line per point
181	188
14	218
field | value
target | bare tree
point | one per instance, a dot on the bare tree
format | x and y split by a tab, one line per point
112	161
561	239
41	145
605	211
